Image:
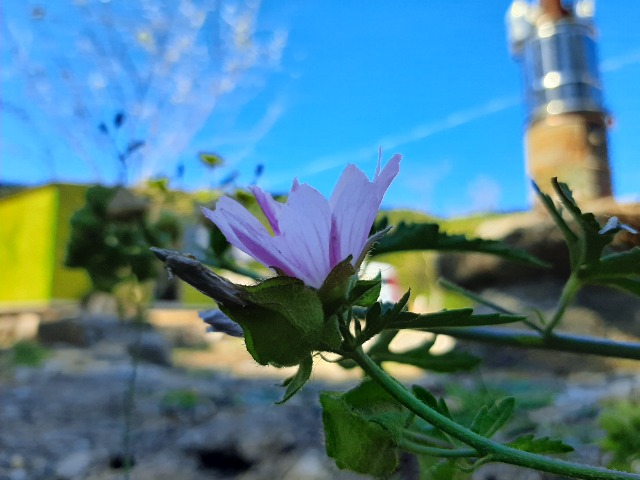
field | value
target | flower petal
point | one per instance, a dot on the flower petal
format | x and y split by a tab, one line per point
270	207
245	232
354	204
305	224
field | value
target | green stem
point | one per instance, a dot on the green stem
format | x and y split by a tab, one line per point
418	437
558	341
483	445
569	292
421	449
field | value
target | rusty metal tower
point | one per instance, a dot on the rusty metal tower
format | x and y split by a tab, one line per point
566	126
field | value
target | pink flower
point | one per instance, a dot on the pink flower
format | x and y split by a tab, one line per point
310	234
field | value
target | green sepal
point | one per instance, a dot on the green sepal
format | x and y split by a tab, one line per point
491	418
362	428
330	337
297	381
366	292
335	290
282	324
540	445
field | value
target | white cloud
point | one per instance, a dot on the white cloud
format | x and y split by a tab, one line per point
621	61
417	133
485	193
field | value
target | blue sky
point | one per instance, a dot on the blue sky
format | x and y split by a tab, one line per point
431	80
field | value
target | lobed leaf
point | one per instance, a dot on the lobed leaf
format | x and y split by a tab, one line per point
362	428
539	445
427	236
462	317
452	361
490	418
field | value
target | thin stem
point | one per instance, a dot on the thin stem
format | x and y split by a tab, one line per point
418	437
483	445
558	341
569	292
129	404
421	449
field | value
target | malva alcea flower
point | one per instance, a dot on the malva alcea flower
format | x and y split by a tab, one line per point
311	234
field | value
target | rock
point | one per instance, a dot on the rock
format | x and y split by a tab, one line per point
73	331
311	465
536	233
245	436
151	347
74	466
533	233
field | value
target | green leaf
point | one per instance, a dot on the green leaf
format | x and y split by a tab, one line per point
374	323
617	265
425	396
452	361
462	317
628	285
490	418
427	236
362	427
283	323
435	469
569	236
392	311
592	242
296	382
539	445
366	292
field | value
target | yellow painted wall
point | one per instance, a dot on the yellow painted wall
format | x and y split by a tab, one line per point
34	231
27	226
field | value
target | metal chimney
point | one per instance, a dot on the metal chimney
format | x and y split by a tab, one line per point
566	126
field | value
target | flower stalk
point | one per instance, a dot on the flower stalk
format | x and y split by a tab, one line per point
483	445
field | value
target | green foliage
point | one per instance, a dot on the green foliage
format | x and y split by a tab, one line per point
362	428
297	381
529	443
463	317
180	400
427	236
113	246
333	292
29	354
365	293
283	323
491	418
432	468
621	422
587	241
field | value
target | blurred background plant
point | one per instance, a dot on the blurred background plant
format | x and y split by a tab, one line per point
621	422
